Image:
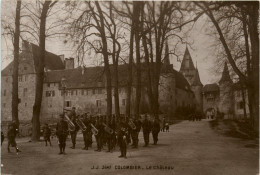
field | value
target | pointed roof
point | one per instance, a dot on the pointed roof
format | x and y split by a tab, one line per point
196	80
225	74
187	56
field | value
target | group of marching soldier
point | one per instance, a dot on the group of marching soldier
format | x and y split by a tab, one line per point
110	131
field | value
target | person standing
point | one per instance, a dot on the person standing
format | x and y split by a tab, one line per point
99	134
62	132
73	134
87	135
11	134
47	134
122	138
155	130
146	125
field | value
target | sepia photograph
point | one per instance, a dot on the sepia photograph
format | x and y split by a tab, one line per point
96	87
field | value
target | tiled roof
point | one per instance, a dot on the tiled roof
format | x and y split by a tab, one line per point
30	57
90	77
196	80
187	56
52	61
211	88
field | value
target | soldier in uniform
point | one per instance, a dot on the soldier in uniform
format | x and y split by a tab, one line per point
135	132
11	134
87	135
122	135
62	132
146	125
73	134
98	125
129	129
155	130
112	125
47	134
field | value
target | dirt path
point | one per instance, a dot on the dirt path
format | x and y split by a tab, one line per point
189	148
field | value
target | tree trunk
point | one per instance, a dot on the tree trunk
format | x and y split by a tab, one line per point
130	63
254	80
40	74
138	58
16	65
106	60
117	108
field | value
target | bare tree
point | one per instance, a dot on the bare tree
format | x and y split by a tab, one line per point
15	100
246	14
39	67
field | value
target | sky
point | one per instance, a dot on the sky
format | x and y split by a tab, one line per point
201	50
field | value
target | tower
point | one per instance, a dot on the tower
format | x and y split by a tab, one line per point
187	67
226	95
192	75
197	88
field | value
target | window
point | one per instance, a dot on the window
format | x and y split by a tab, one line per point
48	84
99	91
98	103
50	93
86	92
82	92
25	78
72	92
68	93
89	92
20	78
76	92
68	103
4	92
123	102
93	91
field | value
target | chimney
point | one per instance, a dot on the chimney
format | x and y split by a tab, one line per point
25	46
69	63
62	58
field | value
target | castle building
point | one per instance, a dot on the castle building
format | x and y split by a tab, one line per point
226	97
85	87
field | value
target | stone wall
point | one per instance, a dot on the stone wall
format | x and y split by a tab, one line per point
26	94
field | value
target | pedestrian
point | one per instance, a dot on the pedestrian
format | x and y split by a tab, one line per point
155	130
62	133
2	137
167	127
122	138
11	134
87	134
73	134
47	134
98	137
163	124
146	125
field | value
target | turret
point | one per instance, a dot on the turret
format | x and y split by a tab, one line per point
226	95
